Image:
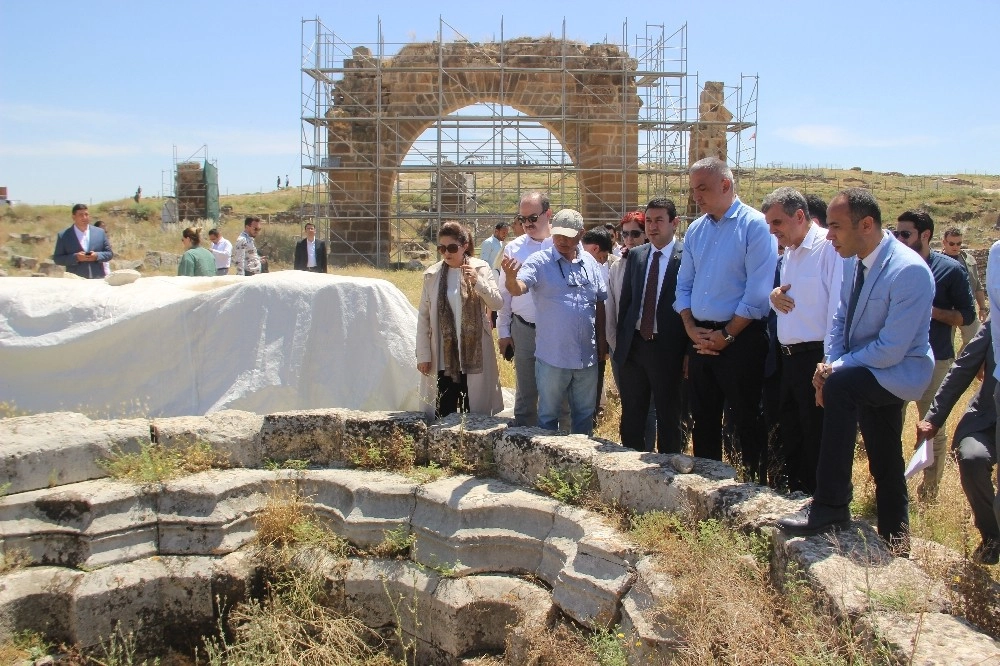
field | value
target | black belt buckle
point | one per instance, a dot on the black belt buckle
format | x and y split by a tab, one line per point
524	321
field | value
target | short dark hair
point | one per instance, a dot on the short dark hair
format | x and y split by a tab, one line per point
250	220
953	231
663	202
78	207
861	203
501	225
600	237
920	219
214	232
817	208
309	224
99	224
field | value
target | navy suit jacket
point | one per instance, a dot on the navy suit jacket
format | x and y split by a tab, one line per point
889	332
67	246
670	335
981	414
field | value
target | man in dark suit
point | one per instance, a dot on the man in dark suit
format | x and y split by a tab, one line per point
651	341
310	254
975	436
879	356
81	248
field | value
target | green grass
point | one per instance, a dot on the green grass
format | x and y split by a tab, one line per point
155	463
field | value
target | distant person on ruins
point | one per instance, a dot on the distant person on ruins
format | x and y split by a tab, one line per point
310	254
222	250
278	186
196	260
516	320
286	181
107	264
83	248
569	293
953	307
245	256
454	346
952	246
138	194
974	440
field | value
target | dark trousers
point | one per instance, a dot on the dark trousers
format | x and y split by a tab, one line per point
733	379
649	371
852	397
801	420
977	454
452	396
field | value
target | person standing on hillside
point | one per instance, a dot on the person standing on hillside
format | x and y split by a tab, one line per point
723	286
952	246
879	357
310	254
83	248
953	306
516	319
245	256
223	251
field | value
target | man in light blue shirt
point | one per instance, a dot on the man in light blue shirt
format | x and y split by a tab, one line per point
568	289
723	285
492	248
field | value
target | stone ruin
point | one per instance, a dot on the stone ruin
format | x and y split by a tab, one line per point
581	93
155	559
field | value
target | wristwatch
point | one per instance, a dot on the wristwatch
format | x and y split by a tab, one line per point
727	337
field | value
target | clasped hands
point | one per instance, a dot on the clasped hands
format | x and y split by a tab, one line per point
707	341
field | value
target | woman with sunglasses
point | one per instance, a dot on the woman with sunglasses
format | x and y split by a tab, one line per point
455	350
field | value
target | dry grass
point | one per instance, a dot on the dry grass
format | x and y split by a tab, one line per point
288	519
155	463
727	611
13	559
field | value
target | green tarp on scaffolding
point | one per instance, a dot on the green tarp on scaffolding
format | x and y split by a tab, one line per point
211	191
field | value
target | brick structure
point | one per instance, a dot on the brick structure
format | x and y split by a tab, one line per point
584	94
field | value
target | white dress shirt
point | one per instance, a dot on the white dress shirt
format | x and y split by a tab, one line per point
223	251
523	306
311	253
810	269
83	237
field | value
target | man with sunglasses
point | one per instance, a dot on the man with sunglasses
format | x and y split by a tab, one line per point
952	247
516	319
569	292
953	306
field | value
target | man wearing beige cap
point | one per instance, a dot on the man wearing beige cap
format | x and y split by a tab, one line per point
568	290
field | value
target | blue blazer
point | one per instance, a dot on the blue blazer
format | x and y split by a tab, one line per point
67	246
889	332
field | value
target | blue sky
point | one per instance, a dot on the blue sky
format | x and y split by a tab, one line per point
95	95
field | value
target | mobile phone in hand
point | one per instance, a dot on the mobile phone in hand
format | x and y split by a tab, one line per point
508	353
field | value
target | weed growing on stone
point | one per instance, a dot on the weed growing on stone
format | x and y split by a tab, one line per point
395	543
9	410
725	607
13	559
428	473
400	604
394	452
566	486
4	488
120	649
24	646
291	626
610	647
288	519
290	463
155	463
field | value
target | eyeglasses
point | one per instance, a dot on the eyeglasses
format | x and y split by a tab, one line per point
522	219
575	279
953	243
450	247
905	235
635	233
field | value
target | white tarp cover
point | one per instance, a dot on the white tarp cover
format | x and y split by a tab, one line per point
171	346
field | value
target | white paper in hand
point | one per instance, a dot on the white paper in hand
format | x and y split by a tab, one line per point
922	457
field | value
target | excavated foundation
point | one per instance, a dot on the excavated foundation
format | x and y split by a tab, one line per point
492	560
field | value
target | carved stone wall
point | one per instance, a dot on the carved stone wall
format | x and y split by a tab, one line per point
583	94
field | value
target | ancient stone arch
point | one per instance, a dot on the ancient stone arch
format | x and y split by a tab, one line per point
584	94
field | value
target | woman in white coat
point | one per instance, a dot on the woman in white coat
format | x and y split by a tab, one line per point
455	349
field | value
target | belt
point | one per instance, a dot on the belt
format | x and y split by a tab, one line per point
524	321
714	325
799	347
649	339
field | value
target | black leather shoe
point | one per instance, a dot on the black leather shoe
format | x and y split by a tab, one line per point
988	552
815	518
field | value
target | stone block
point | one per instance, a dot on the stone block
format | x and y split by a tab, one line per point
651	634
36	599
50	269
316	436
932	638
361	429
465	442
233	433
524	454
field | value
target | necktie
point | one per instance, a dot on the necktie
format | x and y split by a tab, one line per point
649	299
859	281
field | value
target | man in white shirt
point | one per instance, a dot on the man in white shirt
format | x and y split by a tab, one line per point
223	251
805	303
516	320
492	248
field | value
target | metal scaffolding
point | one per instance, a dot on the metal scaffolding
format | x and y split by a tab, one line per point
471	159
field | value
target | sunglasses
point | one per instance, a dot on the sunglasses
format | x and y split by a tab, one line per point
905	235
635	233
450	247
522	219
952	244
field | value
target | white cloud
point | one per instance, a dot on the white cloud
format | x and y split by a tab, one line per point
832	136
